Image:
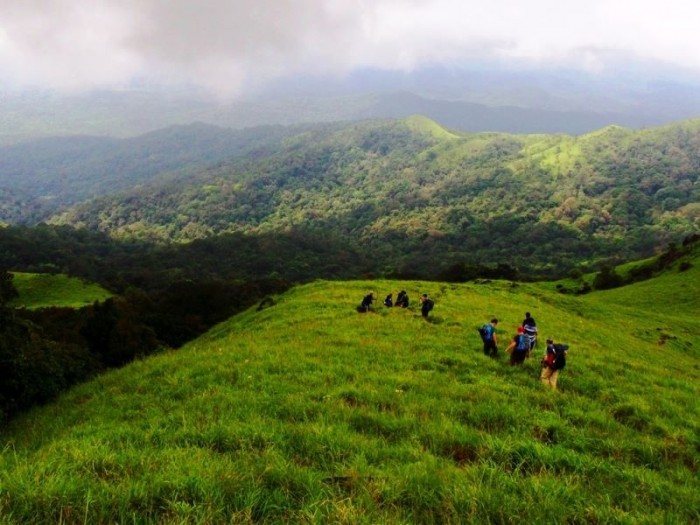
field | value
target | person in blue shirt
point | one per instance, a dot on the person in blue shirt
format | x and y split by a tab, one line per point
488	336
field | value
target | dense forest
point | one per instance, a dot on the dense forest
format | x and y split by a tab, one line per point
411	196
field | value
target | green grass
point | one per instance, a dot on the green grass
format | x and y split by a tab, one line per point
307	412
41	290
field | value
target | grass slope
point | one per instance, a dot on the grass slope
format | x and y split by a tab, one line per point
40	290
308	412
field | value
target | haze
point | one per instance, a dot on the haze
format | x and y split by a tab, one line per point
231	47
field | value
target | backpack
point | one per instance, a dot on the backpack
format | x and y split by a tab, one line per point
559	356
485	332
523	343
428	304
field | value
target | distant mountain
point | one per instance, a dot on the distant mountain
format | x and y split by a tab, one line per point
415	195
39	177
511	102
466	116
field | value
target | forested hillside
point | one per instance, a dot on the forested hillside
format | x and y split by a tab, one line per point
411	195
39	177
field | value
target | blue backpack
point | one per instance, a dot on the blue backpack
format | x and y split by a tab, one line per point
523	343
486	332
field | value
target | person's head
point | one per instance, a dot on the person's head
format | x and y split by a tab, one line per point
424	297
527	315
550	342
494	321
521	330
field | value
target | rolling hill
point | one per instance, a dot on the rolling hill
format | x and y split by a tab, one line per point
415	195
305	411
41	176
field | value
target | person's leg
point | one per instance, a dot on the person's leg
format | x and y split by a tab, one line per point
545	375
553	379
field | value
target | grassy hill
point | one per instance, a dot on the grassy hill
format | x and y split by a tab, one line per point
307	412
41	290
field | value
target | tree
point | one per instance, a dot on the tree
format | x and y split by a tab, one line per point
607	278
7	289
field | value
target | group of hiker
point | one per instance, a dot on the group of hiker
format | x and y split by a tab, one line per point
426	303
520	346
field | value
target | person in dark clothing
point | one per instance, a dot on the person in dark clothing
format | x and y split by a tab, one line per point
389	300
402	299
530	327
426	305
488	336
528	321
367	301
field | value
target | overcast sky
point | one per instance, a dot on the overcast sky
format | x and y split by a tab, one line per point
228	44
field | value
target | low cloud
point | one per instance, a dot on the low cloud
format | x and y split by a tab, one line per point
232	45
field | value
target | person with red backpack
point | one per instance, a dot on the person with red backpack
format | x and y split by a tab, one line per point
553	361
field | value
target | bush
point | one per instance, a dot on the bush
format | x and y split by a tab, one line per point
607	278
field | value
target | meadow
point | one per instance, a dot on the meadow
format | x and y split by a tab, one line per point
43	290
307	412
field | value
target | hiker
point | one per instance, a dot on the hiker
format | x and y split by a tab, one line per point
530	327
426	305
488	336
519	347
367	300
389	300
554	360
402	299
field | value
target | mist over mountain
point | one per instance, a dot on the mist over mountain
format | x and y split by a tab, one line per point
463	99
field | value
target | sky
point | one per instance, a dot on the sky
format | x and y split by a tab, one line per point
229	46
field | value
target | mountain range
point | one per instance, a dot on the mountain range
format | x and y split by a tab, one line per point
410	193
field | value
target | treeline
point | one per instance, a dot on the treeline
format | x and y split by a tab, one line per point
609	276
45	351
295	256
167	295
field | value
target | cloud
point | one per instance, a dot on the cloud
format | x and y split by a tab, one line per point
231	45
